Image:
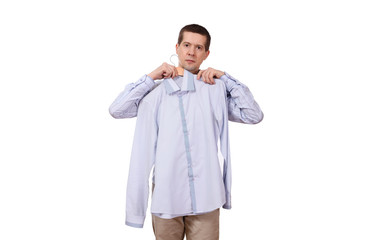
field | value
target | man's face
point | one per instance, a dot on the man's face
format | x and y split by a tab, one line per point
191	51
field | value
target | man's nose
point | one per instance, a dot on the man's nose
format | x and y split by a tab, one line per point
191	52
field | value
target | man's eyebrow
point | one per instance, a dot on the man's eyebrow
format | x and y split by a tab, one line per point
199	45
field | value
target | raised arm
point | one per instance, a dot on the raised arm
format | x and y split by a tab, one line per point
242	107
126	104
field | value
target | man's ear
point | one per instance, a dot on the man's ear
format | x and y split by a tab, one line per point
176	47
207	54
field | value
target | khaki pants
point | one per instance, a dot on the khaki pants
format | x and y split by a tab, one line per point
195	227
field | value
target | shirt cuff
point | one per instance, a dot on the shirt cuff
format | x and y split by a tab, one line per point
229	81
135	225
149	81
227	204
135	221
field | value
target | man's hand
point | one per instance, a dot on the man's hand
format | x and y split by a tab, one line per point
164	71
209	74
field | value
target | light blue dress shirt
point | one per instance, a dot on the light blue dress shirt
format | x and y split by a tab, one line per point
181	130
242	107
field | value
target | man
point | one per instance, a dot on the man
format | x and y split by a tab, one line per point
181	121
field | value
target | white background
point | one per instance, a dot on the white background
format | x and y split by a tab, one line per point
305	172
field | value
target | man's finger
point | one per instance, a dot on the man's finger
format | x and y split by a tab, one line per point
199	74
175	71
170	71
211	76
207	77
204	78
167	73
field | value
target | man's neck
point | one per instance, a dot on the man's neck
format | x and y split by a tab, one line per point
180	71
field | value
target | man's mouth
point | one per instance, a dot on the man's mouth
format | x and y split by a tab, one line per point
190	61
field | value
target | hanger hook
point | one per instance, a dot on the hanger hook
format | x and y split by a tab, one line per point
173	55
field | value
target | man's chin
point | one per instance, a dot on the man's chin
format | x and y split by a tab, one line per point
191	69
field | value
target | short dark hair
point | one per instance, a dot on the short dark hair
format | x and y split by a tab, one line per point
195	28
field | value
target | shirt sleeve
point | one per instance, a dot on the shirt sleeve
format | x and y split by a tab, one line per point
141	163
225	148
126	104
242	107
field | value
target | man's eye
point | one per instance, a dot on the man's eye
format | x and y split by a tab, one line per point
186	45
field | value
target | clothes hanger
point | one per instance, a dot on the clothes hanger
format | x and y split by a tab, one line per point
180	70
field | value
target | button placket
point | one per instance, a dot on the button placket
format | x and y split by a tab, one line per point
188	155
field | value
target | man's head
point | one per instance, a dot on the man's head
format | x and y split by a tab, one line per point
193	47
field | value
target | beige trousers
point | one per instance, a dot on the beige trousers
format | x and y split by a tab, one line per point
195	227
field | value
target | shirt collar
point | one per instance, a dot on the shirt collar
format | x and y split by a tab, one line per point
187	85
